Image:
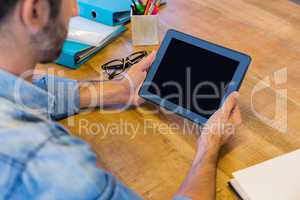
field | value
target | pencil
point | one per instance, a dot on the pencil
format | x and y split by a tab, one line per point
147	6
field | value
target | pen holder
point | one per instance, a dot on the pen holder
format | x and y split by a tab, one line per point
145	29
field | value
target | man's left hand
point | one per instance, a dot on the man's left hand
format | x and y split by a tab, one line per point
120	91
133	80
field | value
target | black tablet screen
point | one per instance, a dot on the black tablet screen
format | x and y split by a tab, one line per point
193	78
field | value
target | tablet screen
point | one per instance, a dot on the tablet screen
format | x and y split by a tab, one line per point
193	78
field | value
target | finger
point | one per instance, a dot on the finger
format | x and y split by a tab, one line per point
147	62
140	78
230	137
236	116
230	104
230	129
139	101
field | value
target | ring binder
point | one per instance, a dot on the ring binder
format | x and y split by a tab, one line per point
107	12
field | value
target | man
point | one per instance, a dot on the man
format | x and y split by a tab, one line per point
38	158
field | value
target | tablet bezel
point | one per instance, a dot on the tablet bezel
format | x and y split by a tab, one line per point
234	85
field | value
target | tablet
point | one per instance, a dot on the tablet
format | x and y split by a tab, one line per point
192	77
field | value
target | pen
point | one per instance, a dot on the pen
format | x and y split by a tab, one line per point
134	4
139	8
141	2
152	6
133	9
156	9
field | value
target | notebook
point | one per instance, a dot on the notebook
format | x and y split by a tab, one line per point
85	38
276	179
89	32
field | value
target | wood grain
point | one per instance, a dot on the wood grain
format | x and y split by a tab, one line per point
154	160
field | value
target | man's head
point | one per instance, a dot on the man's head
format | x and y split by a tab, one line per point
39	25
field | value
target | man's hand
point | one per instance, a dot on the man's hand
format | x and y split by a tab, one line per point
201	180
133	80
115	92
221	126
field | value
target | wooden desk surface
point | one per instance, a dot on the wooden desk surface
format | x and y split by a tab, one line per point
155	160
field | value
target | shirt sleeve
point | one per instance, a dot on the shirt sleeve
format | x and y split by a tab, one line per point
66	95
64	169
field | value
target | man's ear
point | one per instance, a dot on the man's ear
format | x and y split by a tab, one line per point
35	14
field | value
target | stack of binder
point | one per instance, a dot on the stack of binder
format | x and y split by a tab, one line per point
98	23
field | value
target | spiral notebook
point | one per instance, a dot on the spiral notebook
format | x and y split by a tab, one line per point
276	179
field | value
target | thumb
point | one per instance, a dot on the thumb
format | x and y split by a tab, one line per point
147	62
229	105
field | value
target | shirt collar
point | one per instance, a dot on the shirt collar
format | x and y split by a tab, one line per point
25	94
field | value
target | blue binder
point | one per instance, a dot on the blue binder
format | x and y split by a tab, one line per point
71	51
109	12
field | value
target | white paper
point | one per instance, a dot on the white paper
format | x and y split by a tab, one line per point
276	179
89	32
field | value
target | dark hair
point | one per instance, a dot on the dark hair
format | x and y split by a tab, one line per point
7	6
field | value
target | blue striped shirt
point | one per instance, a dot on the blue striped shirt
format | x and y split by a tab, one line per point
38	157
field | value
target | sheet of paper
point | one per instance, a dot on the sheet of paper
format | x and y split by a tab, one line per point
239	190
276	179
89	32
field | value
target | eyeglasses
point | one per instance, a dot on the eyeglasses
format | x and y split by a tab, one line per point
118	66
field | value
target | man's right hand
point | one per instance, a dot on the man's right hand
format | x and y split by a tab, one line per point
201	181
221	126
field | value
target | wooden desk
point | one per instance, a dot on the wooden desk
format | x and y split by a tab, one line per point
156	161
